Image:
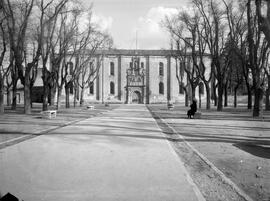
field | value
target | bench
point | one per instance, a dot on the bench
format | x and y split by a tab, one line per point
170	106
91	107
49	114
197	115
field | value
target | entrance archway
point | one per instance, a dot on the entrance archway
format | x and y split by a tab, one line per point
136	97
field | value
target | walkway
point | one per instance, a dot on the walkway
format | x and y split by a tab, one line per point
119	156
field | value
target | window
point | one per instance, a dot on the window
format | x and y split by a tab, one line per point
111	68
111	88
161	69
92	68
161	88
91	88
130	65
182	68
142	65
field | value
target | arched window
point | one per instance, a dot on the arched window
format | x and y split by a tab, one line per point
91	68
111	68
161	69
91	88
161	88
111	88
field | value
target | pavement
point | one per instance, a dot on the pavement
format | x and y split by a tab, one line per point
236	144
121	155
15	126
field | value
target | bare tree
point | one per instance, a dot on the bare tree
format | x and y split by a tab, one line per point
184	30
51	10
61	44
216	27
3	71
236	43
17	14
264	19
88	70
267	92
258	48
180	70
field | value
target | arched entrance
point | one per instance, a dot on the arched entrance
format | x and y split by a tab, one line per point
136	97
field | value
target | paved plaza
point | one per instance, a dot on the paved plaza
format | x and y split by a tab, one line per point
120	155
231	142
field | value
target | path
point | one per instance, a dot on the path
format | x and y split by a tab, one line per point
119	156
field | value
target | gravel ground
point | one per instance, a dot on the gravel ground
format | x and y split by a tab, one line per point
237	144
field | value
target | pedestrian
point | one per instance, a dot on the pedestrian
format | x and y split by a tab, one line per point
193	109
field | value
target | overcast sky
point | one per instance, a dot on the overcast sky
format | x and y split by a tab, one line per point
122	18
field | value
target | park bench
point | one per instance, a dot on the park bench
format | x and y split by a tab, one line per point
91	107
170	106
197	115
49	114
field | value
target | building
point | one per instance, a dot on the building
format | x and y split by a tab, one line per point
136	76
129	76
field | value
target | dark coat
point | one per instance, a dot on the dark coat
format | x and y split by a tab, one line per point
193	108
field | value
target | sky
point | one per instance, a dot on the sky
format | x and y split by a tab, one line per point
124	18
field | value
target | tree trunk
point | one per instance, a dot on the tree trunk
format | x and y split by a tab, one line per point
267	94
8	98
27	93
193	92
249	106
31	94
258	93
225	96
75	97
235	96
45	96
220	97
14	95
67	96
2	106
186	97
58	102
82	97
53	92
200	100
214	93
208	96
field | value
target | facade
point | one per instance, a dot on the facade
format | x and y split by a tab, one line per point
136	76
129	76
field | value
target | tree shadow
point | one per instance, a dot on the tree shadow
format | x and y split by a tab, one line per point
254	149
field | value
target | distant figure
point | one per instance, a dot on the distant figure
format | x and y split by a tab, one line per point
193	109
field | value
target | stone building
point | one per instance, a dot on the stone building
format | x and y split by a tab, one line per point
136	76
129	76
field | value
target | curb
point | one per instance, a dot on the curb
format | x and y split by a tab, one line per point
211	165
195	188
